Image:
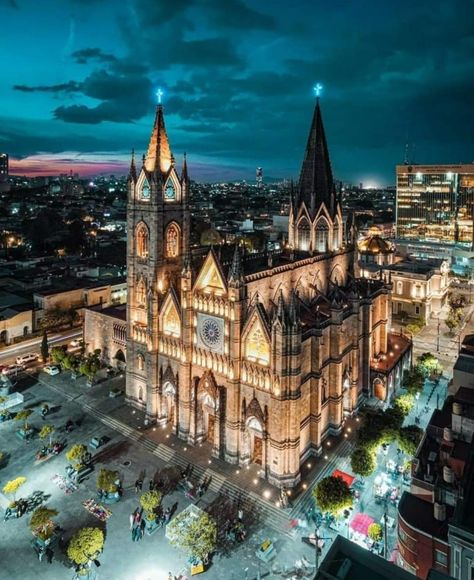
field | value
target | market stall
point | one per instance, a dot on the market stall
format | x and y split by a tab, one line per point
359	528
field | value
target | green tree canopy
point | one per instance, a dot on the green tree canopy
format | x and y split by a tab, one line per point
45	347
363	461
197	537
404	403
106	480
85	545
409	438
428	364
375	532
413	381
149	501
333	495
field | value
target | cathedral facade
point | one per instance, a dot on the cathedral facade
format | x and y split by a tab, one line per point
261	355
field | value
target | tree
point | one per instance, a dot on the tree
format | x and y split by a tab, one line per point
106	480
45	347
416	325
47	431
404	403
333	495
91	365
85	546
58	354
453	320
23	416
413	381
71	362
197	537
76	454
409	438
363	461
374	532
41	523
12	486
428	364
149	501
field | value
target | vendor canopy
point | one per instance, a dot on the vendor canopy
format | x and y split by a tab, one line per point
349	479
360	524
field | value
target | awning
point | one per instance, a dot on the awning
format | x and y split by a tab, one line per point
360	524
349	479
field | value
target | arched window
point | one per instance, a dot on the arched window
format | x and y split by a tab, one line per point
140	292
304	235
141	240
141	362
172	240
322	234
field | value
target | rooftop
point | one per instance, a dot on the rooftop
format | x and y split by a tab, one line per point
397	346
422	267
419	514
119	312
358	564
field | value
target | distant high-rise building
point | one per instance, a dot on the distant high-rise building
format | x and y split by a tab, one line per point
4	185
259	176
435	203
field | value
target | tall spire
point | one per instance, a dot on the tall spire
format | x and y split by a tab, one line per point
133	169
236	269
184	172
316	182
159	156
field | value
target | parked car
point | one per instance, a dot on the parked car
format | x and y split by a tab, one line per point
75	343
24	359
51	370
12	370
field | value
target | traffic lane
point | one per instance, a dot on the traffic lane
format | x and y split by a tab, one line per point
9	354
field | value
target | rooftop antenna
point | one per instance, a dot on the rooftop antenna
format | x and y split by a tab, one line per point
406	161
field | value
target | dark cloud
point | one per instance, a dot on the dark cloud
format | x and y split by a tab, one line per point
85	55
237	14
69	87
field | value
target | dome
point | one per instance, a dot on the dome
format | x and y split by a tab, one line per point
375	245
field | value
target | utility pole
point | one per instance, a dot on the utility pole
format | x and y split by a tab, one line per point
385	535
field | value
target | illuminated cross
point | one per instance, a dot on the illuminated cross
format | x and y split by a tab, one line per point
317	89
159	94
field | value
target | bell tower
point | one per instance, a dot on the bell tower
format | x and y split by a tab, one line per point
157	242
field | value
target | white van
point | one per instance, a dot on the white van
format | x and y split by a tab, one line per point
24	359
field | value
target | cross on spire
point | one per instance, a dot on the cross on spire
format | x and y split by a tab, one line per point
159	94
317	89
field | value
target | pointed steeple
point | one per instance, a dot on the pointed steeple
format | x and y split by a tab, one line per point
293	308
236	269
184	172
159	157
279	314
133	169
316	182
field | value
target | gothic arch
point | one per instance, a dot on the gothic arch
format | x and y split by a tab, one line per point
140	292
142	240
303	230
207	384
337	276
172	240
322	234
255	410
140	362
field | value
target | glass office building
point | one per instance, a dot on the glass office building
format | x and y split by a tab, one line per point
435	203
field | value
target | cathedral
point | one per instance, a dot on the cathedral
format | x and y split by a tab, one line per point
260	355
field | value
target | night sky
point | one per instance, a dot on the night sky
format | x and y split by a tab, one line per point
79	77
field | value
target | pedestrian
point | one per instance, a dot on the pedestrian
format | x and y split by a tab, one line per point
167	515
136	533
41	554
151	485
138	516
49	555
138	485
240	514
132	518
142	528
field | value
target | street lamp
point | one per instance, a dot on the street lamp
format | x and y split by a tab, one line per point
316	540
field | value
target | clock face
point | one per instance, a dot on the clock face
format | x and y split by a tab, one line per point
170	193
210	332
145	192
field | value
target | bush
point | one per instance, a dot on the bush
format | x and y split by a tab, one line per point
363	461
413	381
76	454
58	354
428	364
41	523
197	537
333	495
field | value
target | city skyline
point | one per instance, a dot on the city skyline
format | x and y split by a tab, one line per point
238	85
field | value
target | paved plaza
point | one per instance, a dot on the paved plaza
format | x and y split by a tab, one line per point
135	449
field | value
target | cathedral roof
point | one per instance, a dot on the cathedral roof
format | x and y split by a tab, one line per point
159	157
316	185
375	245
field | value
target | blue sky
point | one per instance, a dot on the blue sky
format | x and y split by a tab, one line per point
79	77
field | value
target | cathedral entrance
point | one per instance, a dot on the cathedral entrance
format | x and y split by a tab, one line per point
211	421
380	390
257	450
